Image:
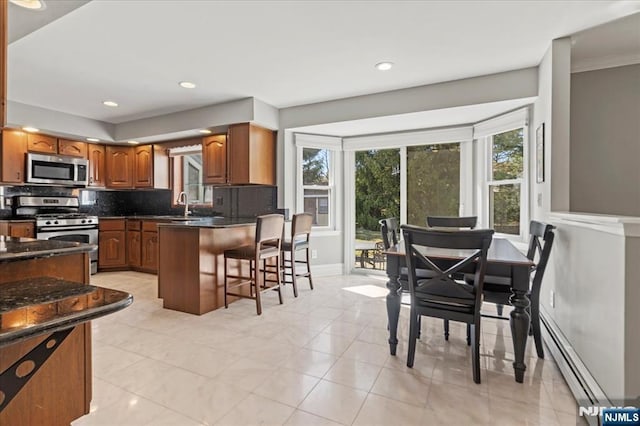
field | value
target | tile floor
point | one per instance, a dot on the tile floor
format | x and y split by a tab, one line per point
320	359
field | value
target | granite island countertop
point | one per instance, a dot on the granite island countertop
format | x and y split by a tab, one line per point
14	248
212	222
41	305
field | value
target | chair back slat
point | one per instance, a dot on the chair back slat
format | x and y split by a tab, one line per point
390	230
539	231
269	228
452	221
418	239
301	225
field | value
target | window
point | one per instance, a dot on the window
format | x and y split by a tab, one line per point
318	162
186	163
503	176
316	184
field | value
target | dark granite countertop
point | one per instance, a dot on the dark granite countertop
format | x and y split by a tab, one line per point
42	305
212	222
13	248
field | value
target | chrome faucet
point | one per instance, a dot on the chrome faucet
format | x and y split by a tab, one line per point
183	199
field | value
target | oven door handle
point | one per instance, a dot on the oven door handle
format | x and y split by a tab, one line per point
67	228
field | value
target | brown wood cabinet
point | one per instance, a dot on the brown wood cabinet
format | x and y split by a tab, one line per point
96	156
72	148
149	249
42	143
25	229
251	153
143	166
112	244
214	159
133	244
13	147
119	166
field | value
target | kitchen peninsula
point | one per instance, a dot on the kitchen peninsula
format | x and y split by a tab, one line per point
45	337
191	261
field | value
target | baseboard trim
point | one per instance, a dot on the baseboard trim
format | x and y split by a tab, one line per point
582	384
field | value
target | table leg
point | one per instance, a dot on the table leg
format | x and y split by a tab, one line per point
393	302
520	322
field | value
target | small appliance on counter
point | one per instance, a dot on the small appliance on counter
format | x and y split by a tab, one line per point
59	218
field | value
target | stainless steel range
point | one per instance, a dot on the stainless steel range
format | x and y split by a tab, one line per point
58	218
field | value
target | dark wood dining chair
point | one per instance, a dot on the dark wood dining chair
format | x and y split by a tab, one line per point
452	221
455	222
443	295
267	246
498	289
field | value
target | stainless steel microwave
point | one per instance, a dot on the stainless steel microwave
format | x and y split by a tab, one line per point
57	170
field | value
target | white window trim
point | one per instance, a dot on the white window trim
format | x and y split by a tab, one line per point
483	132
334	146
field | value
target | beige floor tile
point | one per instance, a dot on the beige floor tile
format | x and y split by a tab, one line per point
345	329
302	418
246	373
256	410
378	410
367	352
352	373
132	410
531	391
108	359
287	386
310	362
511	413
329	343
334	402
462	405
404	387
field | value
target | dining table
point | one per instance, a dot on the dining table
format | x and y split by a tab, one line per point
503	259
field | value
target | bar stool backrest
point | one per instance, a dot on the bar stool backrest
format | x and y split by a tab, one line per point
301	226
269	229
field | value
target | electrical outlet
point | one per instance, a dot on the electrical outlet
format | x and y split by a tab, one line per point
552	298
314	254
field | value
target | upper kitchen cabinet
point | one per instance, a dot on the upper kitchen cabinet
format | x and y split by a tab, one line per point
251	155
42	143
151	167
145	166
119	166
214	159
72	148
96	157
13	147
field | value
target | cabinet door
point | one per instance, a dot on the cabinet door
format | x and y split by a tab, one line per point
13	147
214	159
150	251
111	249
26	230
72	148
119	162
133	248
42	143
96	156
143	166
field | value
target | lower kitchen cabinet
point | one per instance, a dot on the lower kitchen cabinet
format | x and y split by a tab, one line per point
112	244
25	229
149	252
133	244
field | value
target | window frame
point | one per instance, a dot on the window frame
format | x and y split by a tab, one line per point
484	133
333	146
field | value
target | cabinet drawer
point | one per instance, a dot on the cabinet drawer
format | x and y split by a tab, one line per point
133	225
111	224
149	225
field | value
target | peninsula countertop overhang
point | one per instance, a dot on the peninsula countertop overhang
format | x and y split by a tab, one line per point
14	248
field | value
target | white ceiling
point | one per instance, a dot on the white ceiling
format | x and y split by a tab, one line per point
284	53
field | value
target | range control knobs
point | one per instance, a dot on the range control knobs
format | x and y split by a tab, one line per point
48	222
83	221
55	222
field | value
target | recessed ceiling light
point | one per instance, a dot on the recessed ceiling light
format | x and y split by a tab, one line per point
30	4
205	131
187	85
384	66
133	142
93	140
110	103
30	129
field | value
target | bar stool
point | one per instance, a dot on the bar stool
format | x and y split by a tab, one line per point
269	229
300	232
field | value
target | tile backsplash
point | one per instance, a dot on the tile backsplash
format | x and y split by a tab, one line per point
236	201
